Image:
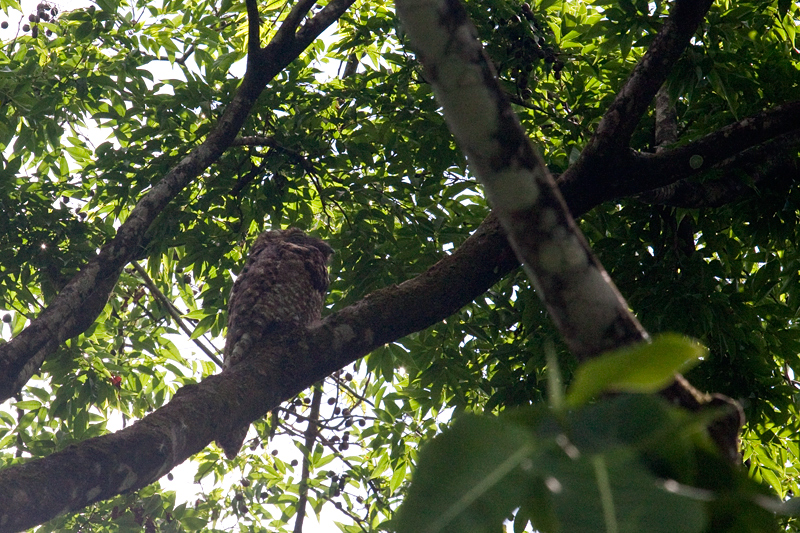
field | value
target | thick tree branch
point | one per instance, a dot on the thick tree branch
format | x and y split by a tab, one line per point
100	468
672	164
83	298
640	172
589	312
596	168
770	165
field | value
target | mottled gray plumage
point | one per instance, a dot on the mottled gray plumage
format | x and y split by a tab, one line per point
282	286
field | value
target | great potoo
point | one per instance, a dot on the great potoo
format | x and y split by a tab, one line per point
281	287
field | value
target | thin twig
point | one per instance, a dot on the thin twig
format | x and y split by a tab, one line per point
311	434
173	311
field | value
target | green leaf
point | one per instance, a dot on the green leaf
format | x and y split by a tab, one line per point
616	493
645	367
468	479
28	404
194	523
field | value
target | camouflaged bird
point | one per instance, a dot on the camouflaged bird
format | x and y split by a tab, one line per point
282	286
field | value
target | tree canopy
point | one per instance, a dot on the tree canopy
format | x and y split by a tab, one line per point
130	198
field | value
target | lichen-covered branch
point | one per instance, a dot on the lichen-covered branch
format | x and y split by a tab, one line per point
666	120
581	298
586	306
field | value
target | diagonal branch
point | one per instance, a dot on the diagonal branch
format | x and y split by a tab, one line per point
173	312
589	312
83	298
311	434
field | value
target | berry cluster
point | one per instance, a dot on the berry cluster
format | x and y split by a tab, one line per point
45	12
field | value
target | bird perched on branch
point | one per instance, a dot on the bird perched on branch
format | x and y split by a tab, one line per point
282	287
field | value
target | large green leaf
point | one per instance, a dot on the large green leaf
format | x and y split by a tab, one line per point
645	367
